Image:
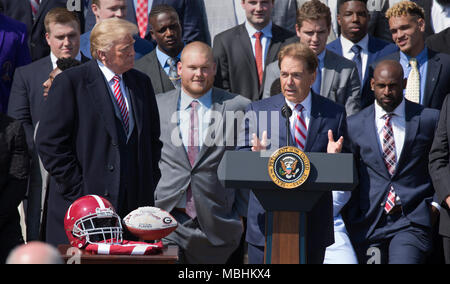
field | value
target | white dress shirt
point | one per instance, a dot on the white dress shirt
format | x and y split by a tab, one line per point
348	53
265	39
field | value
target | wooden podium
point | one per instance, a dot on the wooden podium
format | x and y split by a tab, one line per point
287	209
72	255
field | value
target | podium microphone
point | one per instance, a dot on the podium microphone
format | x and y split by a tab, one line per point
287	113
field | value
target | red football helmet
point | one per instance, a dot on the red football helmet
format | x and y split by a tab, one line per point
92	219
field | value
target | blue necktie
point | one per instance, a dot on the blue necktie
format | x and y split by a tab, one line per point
356	49
318	82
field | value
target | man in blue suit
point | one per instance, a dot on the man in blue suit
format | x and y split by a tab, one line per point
13	53
390	212
356	44
320	118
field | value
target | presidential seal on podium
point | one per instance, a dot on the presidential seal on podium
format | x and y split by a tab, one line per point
289	167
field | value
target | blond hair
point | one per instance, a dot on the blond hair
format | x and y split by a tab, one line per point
62	16
405	8
107	32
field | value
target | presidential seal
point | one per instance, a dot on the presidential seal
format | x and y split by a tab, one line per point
289	167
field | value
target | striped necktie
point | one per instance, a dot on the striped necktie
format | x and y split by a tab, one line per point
35	7
301	129
121	103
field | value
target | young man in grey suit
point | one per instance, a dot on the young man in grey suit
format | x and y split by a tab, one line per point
337	78
199	123
160	64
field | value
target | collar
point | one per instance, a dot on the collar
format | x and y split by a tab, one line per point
399	111
421	58
306	103
53	58
162	57
267	30
108	73
321	56
186	100
348	44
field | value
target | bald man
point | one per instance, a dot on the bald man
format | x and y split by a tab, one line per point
389	215
199	124
34	253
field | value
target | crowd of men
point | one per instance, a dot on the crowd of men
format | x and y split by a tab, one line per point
137	102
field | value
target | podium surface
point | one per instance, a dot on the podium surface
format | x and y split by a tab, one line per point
71	255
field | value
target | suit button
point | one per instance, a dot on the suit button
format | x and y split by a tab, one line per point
106	194
382	204
111	168
114	143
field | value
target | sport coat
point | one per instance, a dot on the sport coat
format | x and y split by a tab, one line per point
149	64
340	81
218	208
440	168
14	53
377	49
236	66
325	115
79	143
437	84
410	181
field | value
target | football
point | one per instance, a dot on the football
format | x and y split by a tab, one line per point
150	223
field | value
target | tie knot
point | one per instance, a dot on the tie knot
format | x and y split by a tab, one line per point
116	78
194	104
413	62
299	107
258	35
356	49
172	61
388	116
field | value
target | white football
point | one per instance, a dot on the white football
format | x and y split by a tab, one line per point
150	223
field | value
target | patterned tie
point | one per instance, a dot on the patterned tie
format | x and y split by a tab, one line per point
258	56
301	130
389	157
173	72
412	92
193	149
121	103
142	16
356	49
34	7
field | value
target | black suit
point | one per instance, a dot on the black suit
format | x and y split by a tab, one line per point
149	64
21	11
440	42
236	66
82	145
14	163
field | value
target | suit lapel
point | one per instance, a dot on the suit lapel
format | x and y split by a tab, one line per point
328	74
2	40
433	70
282	125
136	100
247	49
315	122
97	90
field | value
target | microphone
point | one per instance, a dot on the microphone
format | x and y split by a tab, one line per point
287	113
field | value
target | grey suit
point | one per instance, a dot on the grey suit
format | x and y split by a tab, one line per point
150	65
215	233
340	81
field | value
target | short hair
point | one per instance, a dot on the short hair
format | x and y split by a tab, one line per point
340	2
313	10
66	63
108	31
405	8
60	15
302	52
161	9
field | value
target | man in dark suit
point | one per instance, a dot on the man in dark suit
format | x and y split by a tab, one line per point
26	100
160	65
243	52
189	11
390	211
440	42
427	71
99	130
314	120
14	162
356	44
14	53
22	11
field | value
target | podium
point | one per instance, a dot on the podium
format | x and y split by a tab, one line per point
287	208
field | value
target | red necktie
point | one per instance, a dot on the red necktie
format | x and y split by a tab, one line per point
258	56
301	130
192	155
142	16
121	103
390	159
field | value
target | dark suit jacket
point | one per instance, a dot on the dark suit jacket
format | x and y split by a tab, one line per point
190	12
14	163
236	66
377	49
14	53
78	142
411	180
21	11
325	115
440	168
440	42
426	5
150	65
